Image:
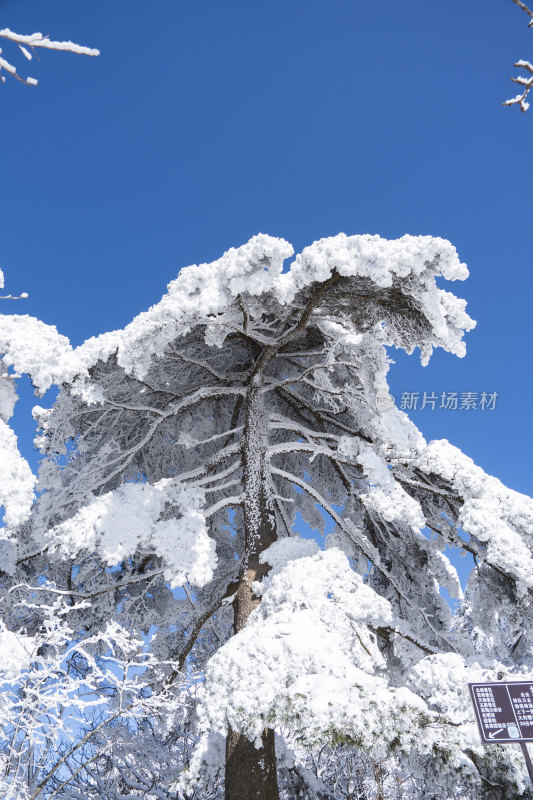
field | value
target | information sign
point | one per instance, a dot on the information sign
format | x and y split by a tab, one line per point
504	710
504	713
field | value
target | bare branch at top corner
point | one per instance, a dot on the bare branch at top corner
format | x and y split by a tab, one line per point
526	9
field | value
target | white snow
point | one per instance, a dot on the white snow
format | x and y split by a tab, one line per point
280	553
8	393
16	650
208	294
38	40
129	518
33	347
305	655
16	479
497	516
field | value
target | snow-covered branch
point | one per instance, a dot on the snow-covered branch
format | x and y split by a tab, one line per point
526	82
27	45
226	502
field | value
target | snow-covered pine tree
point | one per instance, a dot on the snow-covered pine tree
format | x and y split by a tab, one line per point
182	454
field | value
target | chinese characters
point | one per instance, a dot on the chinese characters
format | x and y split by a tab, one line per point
449	401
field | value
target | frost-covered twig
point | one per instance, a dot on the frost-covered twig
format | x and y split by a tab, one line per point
525	81
32	41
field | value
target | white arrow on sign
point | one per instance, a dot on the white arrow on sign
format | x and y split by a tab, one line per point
495	733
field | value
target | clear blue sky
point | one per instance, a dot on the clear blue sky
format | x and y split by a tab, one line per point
204	122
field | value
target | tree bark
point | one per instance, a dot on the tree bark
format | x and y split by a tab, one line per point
251	771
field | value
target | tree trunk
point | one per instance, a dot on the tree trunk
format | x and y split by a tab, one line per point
378	777
251	771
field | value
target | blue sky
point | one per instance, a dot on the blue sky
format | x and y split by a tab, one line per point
204	122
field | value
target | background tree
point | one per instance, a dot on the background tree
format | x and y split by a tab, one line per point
183	453
57	689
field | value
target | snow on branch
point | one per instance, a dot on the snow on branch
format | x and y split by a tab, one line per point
32	41
525	81
45	695
497	518
16	479
131	517
320	692
38	40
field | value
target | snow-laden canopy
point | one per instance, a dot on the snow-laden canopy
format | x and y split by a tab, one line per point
402	274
